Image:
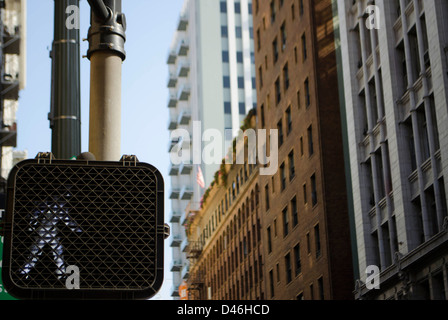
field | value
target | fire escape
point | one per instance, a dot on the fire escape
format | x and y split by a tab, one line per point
196	280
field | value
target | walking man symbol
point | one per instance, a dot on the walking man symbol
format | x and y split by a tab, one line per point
44	223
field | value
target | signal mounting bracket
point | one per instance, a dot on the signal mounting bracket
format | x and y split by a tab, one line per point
45	157
129	160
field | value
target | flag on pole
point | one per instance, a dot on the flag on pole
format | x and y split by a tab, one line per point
200	178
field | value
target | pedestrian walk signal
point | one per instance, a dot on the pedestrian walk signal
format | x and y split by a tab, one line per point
84	229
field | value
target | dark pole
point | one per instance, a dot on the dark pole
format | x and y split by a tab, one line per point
65	114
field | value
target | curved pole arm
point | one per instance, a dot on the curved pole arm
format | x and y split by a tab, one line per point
99	9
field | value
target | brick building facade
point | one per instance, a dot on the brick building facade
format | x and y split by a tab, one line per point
225	243
306	232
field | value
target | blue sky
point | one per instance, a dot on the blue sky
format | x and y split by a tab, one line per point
150	29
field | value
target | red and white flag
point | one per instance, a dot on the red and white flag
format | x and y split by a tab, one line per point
200	178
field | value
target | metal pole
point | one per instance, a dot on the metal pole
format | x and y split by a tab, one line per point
106	54
65	114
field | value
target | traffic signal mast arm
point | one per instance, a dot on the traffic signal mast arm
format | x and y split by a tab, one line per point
99	8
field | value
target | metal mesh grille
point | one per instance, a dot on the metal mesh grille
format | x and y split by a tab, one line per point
99	219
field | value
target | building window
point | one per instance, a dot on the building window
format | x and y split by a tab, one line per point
425	43
301	146
278	93
288	268
273	11
294	211
402	67
225	56
224	31
286	77
238	32
269	240
223	6
317	241
409	138
288	120
275	50
320	287
313	190
242	108
310	141
262	116
301	7
414	52
237	7
266	196
311	292
277	267
282	176
292	168
380	174
285	222
240	82
239	57
297	260
432	111
226	81
283	33
304	49
260	77
280	133
307	93
295	55
373	101
423	132
308	243
252	57
275	228
258	40
271	282
227	108
305	200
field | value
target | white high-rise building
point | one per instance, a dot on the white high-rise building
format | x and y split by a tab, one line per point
13	76
395	80
211	86
12	80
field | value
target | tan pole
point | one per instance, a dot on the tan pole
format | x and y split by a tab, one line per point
106	53
105	106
